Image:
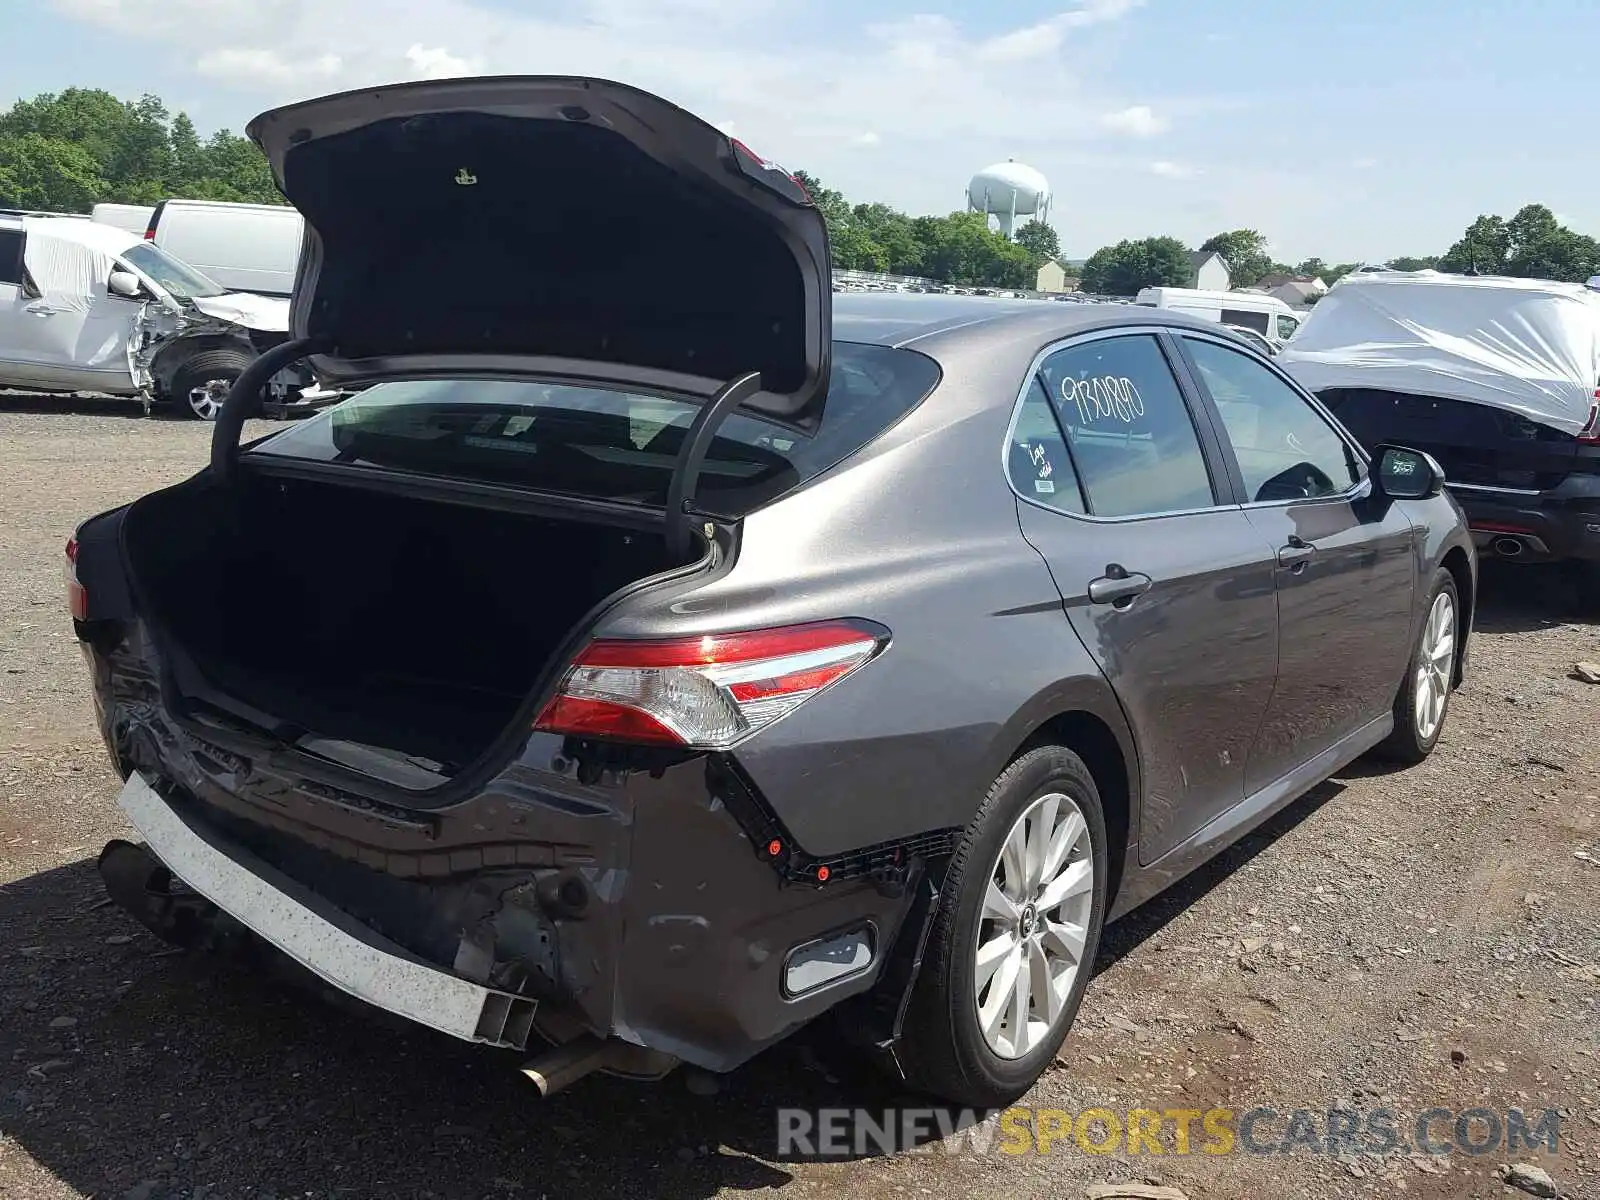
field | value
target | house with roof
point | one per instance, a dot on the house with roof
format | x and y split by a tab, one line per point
1300	292
1055	277
1209	271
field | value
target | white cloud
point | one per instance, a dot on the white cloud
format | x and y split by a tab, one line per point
438	63
1172	170
264	68
1046	37
933	99
1363	164
1139	120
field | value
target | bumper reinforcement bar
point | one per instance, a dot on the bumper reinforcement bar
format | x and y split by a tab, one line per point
319	937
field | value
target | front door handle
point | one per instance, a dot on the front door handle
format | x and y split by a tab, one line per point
1296	554
1118	587
40	310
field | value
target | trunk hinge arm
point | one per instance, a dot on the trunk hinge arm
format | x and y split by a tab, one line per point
692	457
244	400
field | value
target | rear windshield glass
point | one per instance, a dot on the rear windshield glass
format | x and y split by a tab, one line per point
614	445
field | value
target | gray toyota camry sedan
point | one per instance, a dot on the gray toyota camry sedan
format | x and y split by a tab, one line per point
655	651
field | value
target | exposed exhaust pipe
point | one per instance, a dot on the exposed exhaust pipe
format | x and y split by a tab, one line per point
1507	547
585	1054
565	1065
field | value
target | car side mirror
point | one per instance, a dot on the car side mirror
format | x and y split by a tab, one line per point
125	284
1408	474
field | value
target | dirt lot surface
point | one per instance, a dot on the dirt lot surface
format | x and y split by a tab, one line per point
1395	941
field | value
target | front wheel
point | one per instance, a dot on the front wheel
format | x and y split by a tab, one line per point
202	383
1424	699
1014	940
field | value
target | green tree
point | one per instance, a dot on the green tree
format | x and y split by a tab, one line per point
47	173
236	170
1482	250
1407	262
1531	245
959	248
1040	241
1329	273
1123	269
1246	253
188	156
133	152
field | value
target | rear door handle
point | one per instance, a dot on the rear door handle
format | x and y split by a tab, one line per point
1118	588
1296	554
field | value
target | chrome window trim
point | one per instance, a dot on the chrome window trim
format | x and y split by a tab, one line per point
1080	339
1491	489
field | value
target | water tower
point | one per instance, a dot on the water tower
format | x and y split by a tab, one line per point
1007	191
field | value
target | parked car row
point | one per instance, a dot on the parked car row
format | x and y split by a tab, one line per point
672	668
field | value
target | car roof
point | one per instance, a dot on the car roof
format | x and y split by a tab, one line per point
107	239
903	318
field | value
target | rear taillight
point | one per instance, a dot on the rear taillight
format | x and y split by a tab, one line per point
706	693
77	596
1589	435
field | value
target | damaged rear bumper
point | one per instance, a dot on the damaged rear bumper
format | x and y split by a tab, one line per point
319	937
625	902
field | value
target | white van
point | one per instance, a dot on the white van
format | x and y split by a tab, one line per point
245	247
1267	315
134	218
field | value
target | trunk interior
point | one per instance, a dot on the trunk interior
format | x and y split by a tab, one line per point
406	624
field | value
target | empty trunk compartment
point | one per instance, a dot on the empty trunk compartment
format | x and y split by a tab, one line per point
410	625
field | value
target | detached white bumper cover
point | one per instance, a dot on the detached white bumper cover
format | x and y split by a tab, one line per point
321	938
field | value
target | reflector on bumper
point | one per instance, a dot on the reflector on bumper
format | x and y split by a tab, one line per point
321	938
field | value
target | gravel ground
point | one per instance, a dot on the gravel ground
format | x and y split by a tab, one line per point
1403	941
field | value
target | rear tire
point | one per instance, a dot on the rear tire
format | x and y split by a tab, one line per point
997	936
1424	700
201	384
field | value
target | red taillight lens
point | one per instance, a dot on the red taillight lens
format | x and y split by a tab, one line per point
77	597
704	692
1590	433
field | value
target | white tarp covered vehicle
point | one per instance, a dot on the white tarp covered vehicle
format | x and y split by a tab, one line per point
86	306
1528	346
1496	378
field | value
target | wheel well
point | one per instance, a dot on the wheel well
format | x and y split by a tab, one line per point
1455	561
1091	739
169	360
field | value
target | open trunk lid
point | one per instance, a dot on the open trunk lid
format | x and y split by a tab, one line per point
563	228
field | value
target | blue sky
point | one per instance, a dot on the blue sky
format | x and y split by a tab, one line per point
1361	129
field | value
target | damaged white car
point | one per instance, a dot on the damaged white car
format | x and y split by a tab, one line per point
86	307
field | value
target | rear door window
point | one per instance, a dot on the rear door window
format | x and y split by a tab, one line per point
607	444
1131	434
1037	459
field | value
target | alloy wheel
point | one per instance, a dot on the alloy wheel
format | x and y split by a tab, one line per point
1034	925
1435	665
205	401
